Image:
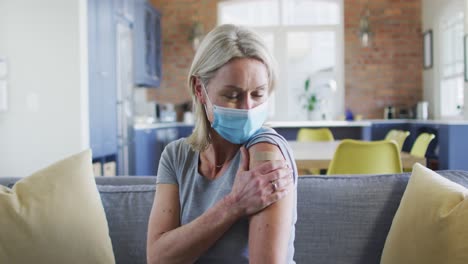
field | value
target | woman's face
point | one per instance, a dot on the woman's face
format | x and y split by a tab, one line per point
241	83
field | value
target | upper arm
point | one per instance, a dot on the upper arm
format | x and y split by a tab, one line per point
269	230
165	213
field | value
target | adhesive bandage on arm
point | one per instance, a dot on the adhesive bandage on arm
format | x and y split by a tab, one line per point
267	155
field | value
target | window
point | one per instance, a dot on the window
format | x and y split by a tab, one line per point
306	39
452	68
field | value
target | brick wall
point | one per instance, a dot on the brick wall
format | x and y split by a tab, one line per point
390	71
387	73
178	17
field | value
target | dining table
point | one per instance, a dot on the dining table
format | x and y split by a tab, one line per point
318	154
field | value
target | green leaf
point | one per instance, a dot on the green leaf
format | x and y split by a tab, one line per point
307	84
311	101
313	98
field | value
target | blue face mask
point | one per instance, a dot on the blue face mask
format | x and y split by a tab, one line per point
238	125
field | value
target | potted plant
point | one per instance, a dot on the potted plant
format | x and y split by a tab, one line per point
310	100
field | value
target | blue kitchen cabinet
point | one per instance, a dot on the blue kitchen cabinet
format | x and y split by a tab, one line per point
149	146
145	152
380	130
341	132
453	147
447	151
102	78
147	45
433	150
184	131
449	146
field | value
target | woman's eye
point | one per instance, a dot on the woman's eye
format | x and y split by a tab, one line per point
232	96
258	94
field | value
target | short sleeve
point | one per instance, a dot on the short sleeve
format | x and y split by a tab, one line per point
269	135
166	169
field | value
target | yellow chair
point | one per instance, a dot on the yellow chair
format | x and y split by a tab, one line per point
399	136
421	144
314	134
317	134
366	157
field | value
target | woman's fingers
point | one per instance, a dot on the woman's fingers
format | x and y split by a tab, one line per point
258	188
270	166
244	166
281	183
276	196
283	173
270	181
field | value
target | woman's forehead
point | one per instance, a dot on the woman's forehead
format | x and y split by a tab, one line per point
241	72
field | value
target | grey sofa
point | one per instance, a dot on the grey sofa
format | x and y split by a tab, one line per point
341	219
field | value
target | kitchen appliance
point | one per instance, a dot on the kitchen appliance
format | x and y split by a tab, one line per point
405	113
168	113
124	74
422	110
389	112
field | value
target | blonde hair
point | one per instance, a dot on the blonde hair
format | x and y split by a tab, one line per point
221	45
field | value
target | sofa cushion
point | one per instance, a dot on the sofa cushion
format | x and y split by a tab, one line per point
55	216
345	219
431	224
127	209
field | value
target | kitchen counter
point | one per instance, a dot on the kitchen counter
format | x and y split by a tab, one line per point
419	121
339	129
361	123
324	123
143	126
312	124
448	148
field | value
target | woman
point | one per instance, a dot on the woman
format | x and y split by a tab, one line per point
226	194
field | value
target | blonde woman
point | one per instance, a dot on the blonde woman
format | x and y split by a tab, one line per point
227	193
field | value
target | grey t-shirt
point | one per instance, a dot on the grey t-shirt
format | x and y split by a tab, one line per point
179	165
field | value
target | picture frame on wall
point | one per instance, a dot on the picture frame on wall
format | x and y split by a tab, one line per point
428	53
465	59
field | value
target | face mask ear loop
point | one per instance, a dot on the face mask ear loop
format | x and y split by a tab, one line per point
212	106
207	97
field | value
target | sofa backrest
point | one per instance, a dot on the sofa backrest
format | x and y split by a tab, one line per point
341	219
346	219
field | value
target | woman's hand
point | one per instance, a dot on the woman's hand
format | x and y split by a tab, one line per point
258	188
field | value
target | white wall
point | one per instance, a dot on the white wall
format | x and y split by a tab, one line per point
44	42
432	10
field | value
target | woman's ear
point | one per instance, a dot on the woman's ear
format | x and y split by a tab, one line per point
197	89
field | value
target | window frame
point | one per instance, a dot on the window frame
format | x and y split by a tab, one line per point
279	106
454	61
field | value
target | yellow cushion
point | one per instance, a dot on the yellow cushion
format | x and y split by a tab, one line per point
55	216
431	224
